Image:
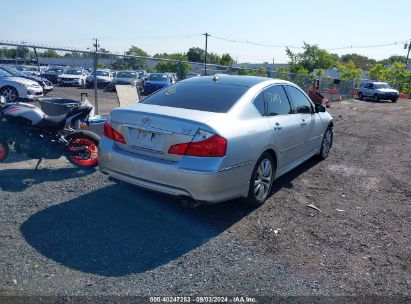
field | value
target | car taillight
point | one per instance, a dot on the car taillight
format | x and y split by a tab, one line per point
204	144
109	132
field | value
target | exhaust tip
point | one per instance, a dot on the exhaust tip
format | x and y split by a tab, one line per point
189	203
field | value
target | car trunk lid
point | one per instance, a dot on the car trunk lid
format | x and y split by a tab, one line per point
151	130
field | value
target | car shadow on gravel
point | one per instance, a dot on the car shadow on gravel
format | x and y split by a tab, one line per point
121	230
15	180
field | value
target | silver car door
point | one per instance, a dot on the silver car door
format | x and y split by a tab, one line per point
285	127
368	89
303	110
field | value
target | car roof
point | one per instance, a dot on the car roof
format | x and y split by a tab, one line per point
374	82
246	81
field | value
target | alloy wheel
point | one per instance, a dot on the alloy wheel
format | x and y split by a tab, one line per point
9	94
263	179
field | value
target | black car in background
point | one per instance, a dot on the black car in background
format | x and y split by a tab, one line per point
44	83
51	74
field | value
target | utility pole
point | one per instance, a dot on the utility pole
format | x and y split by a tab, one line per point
37	59
96	45
408	54
205	53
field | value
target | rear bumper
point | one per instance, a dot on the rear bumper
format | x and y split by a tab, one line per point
167	177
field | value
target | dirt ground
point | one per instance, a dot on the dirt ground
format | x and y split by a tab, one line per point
64	231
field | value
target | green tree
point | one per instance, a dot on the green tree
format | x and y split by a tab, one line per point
302	78
311	58
397	75
226	59
282	73
406	88
134	63
173	56
360	61
378	72
244	71
392	59
49	54
173	67
195	54
262	71
133	50
105	53
350	71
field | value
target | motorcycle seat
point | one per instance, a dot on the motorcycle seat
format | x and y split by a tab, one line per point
53	121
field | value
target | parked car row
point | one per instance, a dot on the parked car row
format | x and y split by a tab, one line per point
44	83
73	77
129	77
156	81
52	73
14	87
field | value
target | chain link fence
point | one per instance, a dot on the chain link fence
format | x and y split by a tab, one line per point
68	73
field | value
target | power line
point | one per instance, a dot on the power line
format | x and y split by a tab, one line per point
150	37
255	43
399	42
365	46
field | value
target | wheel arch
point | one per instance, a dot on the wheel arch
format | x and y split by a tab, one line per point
274	156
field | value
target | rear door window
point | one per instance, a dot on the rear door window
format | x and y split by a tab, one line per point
210	97
277	101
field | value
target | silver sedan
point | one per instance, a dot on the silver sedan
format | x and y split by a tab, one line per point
211	139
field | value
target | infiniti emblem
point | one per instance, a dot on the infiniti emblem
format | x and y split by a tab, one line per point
146	121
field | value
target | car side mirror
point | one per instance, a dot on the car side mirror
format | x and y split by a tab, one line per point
319	108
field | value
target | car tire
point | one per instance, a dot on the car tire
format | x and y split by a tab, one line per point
326	143
394	100
376	98
261	181
360	96
9	93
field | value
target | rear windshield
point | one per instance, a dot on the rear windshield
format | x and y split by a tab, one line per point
126	74
210	97
157	77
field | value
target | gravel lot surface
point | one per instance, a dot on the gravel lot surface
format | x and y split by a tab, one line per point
65	231
106	100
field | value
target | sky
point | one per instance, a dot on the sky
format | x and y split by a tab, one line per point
174	26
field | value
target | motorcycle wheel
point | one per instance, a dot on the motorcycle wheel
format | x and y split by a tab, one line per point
82	149
4	149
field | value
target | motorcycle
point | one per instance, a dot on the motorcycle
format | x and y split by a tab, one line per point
33	133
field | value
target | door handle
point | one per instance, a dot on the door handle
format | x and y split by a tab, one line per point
277	126
303	122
